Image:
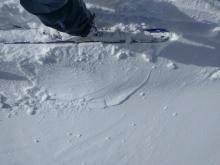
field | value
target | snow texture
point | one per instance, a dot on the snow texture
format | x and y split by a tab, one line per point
121	104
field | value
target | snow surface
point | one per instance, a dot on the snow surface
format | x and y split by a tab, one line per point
126	104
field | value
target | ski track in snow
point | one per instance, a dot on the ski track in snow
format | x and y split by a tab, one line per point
97	103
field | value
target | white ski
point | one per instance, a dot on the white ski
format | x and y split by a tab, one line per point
34	36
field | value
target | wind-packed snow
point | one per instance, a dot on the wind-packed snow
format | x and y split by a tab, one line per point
121	104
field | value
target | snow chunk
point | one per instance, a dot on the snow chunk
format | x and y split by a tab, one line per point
94	6
165	108
69	134
216	29
78	135
147	57
31	111
122	54
133	124
172	66
134	28
142	94
175	114
36	141
108	138
215	75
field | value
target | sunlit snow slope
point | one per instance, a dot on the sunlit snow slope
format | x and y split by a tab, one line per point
105	104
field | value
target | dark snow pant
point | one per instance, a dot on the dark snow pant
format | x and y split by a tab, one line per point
72	18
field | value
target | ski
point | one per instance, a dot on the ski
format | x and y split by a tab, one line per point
156	35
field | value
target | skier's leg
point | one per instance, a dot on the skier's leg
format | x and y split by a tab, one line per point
73	18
